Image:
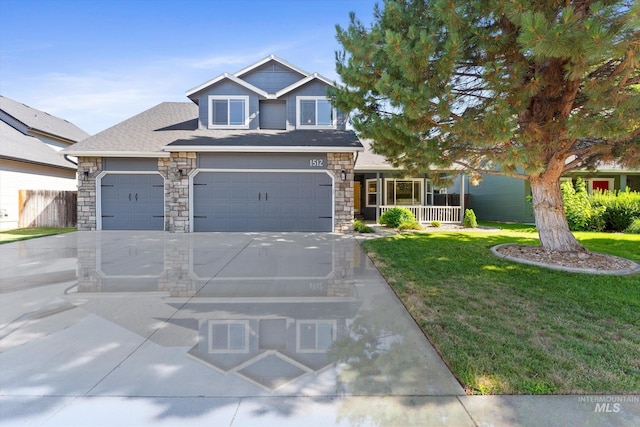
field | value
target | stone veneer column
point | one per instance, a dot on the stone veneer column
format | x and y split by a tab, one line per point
88	169
342	190
177	191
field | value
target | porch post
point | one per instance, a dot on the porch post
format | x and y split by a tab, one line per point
623	182
378	194
462	197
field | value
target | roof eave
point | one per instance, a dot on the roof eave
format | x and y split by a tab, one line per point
303	82
33	162
53	136
221	77
263	149
80	153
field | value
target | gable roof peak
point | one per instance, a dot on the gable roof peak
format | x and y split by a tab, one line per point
271	57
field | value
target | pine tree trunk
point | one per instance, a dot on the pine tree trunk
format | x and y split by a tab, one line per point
551	222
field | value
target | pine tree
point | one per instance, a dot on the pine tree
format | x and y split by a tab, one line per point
526	88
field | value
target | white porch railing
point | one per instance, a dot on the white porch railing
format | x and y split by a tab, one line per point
426	214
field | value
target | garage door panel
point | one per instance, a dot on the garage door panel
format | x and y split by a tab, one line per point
132	202
262	201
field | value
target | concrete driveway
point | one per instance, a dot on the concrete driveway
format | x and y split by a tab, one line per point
157	329
224	329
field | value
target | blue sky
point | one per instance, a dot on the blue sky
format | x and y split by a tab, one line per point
98	62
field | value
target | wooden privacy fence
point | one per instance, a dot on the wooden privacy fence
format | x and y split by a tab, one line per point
47	208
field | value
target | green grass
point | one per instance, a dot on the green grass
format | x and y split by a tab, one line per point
30	233
508	328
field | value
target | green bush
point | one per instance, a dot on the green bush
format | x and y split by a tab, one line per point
581	214
619	209
361	227
410	225
470	220
634	228
436	224
396	216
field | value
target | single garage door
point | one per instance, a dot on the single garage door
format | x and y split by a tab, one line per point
262	201
132	202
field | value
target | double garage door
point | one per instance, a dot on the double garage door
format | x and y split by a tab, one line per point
262	201
223	201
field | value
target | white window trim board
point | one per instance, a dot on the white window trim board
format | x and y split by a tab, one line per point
228	98
334	112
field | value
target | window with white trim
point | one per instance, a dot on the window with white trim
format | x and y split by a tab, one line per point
372	192
315	112
404	192
228	336
230	112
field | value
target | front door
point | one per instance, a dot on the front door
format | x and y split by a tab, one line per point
356	196
602	185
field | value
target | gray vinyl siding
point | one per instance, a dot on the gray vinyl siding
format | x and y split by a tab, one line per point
125	164
299	161
313	88
500	198
272	77
231	89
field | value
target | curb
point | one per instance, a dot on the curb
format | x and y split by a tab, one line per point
621	272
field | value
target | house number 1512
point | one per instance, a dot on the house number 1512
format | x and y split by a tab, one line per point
316	162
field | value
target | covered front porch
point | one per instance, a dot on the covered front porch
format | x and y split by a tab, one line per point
377	192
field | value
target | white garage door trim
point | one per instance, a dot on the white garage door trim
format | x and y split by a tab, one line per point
196	171
99	192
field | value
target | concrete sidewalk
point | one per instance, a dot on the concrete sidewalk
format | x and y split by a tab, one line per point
232	329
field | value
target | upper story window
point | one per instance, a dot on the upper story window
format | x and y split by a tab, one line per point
228	112
315	112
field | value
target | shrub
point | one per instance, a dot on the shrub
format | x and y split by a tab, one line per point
580	213
396	216
470	220
436	224
619	209
410	225
634	228
361	227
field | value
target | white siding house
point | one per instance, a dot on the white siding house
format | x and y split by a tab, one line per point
30	141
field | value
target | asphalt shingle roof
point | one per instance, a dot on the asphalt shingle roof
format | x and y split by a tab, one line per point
17	146
368	160
41	121
175	124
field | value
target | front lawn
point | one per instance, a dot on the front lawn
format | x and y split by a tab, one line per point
30	233
507	328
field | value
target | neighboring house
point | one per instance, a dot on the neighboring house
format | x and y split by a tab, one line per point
378	186
501	198
30	140
258	150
